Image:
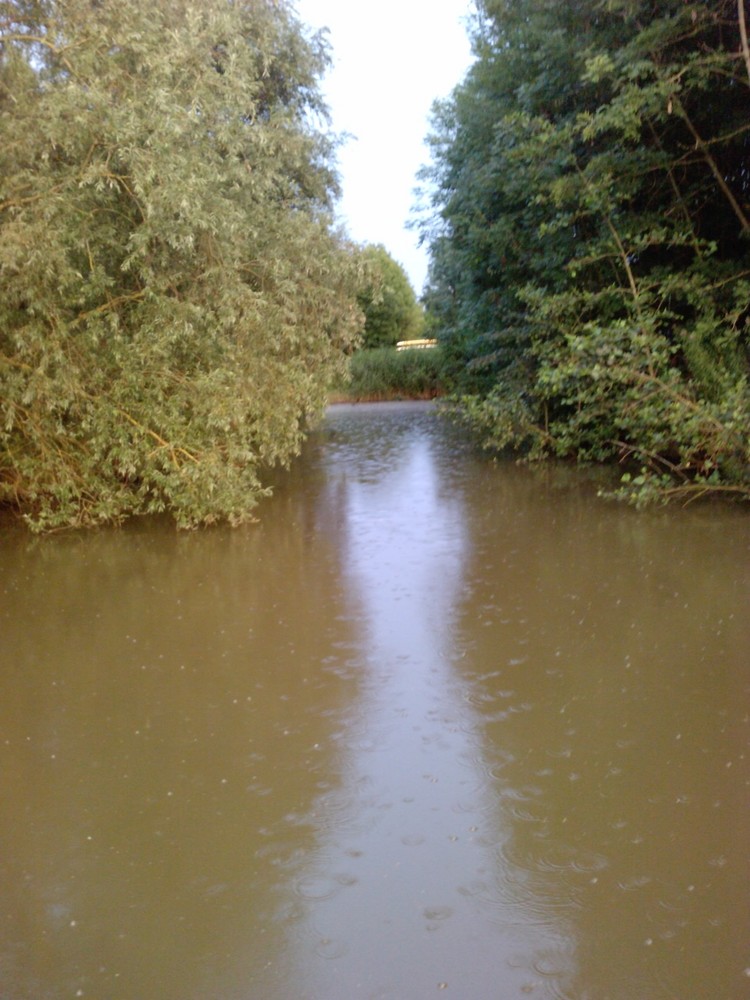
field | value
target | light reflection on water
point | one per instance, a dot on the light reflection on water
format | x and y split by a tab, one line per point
433	726
422	836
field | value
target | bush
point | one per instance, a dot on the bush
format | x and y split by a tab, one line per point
385	373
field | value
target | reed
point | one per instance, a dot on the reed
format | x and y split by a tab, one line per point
383	373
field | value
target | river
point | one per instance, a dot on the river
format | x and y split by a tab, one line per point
434	726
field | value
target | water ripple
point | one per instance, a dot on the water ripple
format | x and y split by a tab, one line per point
316	887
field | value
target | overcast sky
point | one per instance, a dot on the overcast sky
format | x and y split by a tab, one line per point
391	60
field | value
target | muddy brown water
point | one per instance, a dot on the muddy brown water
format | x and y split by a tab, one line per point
433	727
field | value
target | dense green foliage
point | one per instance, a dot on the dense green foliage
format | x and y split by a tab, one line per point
590	198
173	300
384	373
387	300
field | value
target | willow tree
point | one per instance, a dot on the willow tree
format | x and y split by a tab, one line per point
173	299
591	236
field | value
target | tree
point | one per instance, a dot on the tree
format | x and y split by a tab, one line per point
174	301
590	235
387	300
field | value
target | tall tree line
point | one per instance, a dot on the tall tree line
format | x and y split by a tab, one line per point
589	228
174	301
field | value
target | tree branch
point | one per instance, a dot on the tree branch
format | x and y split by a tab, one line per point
174	450
701	145
743	34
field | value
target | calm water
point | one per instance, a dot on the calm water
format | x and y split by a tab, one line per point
433	727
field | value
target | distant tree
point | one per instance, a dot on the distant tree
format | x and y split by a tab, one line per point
173	303
387	300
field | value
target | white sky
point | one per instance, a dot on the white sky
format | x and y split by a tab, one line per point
391	60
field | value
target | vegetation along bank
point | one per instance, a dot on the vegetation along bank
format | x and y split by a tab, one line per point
588	213
176	300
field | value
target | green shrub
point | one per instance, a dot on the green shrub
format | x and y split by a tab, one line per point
385	373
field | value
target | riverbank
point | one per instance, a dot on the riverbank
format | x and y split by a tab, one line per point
340	397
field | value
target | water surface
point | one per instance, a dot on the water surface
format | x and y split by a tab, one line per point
433	726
